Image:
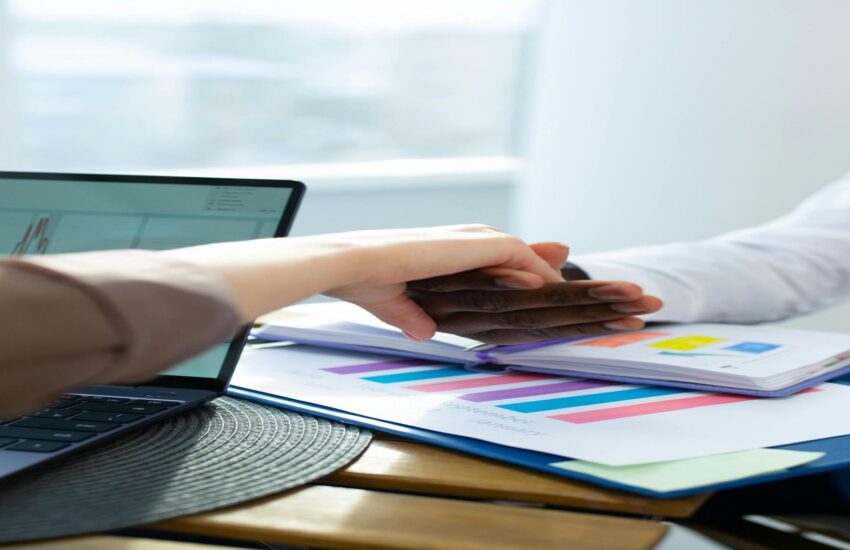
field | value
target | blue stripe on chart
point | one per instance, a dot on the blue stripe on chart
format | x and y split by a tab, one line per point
419	375
590	399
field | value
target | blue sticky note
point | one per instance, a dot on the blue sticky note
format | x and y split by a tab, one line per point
753	347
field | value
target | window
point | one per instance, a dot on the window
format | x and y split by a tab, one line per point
104	85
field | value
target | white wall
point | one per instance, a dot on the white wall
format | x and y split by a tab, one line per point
660	120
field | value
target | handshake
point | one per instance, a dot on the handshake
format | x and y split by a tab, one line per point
504	307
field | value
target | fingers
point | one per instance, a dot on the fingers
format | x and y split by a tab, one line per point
522	257
505	337
573	293
405	314
558	310
642	306
468	323
554	254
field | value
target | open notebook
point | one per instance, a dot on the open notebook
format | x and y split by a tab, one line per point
752	360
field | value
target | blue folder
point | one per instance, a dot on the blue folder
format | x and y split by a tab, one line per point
836	449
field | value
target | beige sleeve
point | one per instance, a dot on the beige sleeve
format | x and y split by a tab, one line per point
121	316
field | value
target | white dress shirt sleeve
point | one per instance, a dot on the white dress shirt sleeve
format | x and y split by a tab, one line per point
793	265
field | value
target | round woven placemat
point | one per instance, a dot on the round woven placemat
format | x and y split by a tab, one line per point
219	454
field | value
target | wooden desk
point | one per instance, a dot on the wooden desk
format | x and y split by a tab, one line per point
400	494
404	495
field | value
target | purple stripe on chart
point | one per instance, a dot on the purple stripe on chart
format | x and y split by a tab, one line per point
376	367
529	391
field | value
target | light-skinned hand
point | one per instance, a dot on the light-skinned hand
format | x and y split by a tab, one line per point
367	268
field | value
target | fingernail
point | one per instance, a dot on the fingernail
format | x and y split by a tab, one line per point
617	325
628	308
558	244
607	292
510	282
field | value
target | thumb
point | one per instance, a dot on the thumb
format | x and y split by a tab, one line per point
404	313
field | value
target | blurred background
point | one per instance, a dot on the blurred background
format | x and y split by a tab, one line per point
601	123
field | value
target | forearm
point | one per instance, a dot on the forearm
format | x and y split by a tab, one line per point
268	274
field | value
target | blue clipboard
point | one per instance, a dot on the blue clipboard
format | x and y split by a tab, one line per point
836	449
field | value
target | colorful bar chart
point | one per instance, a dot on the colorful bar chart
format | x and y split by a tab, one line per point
531	393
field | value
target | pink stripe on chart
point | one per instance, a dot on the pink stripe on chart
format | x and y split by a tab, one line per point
479	382
377	367
649	408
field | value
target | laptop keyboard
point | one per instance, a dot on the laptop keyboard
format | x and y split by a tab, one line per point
73	418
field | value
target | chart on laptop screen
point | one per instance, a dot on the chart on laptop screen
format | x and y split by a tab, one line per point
50	217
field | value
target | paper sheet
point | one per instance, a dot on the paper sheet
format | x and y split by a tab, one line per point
695	472
599	422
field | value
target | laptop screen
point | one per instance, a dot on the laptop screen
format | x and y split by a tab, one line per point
52	214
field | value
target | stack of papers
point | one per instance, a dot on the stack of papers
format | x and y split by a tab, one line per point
731	358
636	437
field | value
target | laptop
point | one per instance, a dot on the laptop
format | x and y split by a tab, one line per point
60	213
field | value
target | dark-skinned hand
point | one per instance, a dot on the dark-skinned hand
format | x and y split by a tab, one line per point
500	306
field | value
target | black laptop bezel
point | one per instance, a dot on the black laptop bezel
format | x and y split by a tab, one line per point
219	384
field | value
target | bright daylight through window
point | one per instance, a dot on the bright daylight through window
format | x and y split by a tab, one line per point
104	85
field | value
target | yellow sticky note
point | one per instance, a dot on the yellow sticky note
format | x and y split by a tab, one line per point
686	343
695	472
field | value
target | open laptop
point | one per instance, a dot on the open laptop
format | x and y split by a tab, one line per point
58	213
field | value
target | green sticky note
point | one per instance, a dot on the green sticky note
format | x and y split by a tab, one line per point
695	472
